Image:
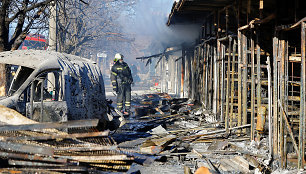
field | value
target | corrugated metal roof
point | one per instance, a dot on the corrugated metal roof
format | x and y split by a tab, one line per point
193	10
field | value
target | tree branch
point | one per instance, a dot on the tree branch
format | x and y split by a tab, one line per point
17	42
36	5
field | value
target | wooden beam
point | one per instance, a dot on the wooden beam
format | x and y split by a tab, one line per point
25	148
55	136
49	125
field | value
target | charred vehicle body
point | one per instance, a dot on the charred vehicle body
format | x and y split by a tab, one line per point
51	86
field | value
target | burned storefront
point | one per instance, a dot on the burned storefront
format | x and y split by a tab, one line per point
247	68
232	100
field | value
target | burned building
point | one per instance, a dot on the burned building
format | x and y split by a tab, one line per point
247	67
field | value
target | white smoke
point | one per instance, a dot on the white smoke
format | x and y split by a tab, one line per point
148	23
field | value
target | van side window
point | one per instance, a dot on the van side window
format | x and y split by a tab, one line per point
50	84
53	85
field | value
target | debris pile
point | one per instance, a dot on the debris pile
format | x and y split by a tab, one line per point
192	138
154	104
187	140
73	146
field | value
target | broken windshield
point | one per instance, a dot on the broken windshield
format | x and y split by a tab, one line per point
18	75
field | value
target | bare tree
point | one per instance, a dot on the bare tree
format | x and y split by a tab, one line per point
17	17
82	25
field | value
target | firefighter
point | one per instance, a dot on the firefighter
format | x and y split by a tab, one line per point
122	79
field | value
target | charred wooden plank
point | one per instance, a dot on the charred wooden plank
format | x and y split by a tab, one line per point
211	165
68	169
25	148
69	124
86	148
31	163
64	136
12	155
213	132
98	158
28	171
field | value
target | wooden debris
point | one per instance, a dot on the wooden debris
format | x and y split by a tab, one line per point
236	164
25	148
23	156
253	161
86	148
212	140
156	145
31	163
187	170
218	145
214	132
243	164
211	166
57	125
93	158
229	165
41	145
160	111
27	170
50	137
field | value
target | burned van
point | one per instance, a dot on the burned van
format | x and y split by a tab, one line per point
50	86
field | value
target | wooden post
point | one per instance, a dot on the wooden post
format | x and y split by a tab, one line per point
258	71
210	87
216	79
182	73
233	83
252	87
281	93
303	102
221	89
228	82
240	42
205	75
275	96
244	81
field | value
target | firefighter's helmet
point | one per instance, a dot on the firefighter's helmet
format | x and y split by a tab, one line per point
118	56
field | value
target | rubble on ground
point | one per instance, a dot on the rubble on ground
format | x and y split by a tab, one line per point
191	139
185	140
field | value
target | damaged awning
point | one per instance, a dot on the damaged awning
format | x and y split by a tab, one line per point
167	52
193	11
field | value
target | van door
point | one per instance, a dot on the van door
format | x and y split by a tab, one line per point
46	98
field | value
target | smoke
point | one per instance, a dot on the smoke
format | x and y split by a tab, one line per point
146	21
